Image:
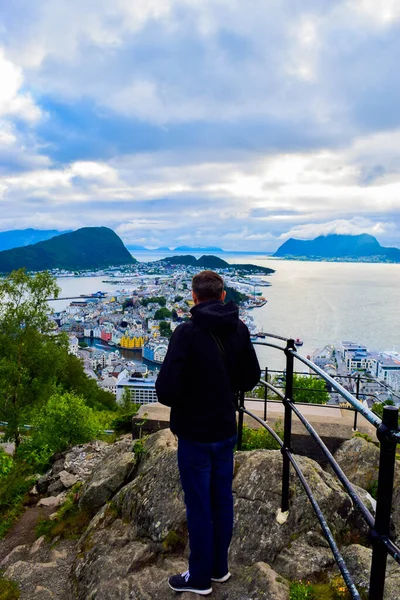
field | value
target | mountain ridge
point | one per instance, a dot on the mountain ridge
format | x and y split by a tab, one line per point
85	248
335	245
14	238
215	262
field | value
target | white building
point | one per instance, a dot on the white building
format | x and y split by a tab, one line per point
142	391
109	384
73	345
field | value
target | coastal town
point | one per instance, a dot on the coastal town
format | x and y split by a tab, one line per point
122	337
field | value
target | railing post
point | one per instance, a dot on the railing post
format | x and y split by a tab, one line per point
357	396
265	394
287	437
387	461
240	421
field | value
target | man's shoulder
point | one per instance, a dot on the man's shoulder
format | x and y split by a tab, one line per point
182	330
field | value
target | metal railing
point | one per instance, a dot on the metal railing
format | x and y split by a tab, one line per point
388	434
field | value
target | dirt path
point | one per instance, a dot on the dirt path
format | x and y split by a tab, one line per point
23	531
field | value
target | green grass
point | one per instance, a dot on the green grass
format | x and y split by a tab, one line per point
8	589
14	487
70	521
333	589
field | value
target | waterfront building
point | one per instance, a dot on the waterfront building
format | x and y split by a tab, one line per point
142	391
106	335
132	342
389	363
349	348
155	350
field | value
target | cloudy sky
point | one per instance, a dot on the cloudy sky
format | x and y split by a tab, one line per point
212	122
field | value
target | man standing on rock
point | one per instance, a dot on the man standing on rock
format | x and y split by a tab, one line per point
209	360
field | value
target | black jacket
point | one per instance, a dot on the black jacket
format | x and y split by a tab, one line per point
199	381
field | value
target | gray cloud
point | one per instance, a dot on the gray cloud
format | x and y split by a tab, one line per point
180	119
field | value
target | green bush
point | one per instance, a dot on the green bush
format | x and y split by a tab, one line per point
260	439
301	591
34	453
13	489
65	421
6	462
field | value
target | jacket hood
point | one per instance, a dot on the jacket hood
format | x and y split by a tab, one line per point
214	314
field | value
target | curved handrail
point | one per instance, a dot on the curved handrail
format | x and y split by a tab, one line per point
388	434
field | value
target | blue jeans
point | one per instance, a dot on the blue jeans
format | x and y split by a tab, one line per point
206	471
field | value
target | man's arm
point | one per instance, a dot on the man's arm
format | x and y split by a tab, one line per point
169	384
250	372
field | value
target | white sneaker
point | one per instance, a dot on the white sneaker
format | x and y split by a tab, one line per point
221	579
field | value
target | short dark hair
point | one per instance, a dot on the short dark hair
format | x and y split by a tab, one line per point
208	285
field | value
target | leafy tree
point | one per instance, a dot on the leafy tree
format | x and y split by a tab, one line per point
178	298
165	329
126	410
31	354
74	379
128	303
154	300
309	389
64	421
6	462
162	313
377	408
232	294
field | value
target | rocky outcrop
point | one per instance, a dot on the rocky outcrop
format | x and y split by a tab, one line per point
358	559
257	487
359	460
42	572
138	537
108	477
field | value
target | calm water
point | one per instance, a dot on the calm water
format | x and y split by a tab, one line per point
318	302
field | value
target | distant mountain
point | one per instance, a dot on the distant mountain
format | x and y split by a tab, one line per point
198	249
133	247
86	248
339	246
24	237
136	248
214	262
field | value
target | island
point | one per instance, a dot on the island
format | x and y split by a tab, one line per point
215	262
362	248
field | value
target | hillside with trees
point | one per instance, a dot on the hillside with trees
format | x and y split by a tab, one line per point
86	248
214	262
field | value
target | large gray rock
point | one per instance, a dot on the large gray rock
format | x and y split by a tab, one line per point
257	487
126	569
306	557
136	540
358	559
107	478
44	573
153	501
359	460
